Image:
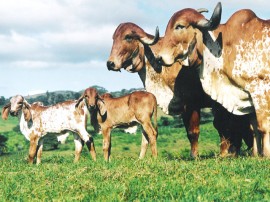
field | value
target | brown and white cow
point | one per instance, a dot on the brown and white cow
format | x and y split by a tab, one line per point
37	120
108	113
131	51
236	61
176	91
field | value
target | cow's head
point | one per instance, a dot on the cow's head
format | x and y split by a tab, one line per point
183	39
15	106
128	47
92	100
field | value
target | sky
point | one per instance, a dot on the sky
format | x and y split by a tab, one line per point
50	45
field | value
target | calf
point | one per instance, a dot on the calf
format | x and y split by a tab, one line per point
37	120
108	113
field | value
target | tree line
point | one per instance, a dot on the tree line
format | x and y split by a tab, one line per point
51	98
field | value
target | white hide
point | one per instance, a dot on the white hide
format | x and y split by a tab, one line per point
55	119
62	137
219	87
252	59
58	118
155	84
24	127
131	130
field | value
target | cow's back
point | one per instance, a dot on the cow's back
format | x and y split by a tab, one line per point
142	101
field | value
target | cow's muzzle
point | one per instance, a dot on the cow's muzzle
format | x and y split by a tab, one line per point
13	113
110	65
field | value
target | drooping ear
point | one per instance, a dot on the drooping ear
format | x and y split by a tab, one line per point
80	99
5	111
26	111
102	107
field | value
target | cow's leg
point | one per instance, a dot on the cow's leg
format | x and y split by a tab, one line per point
91	147
223	124
263	128
39	150
151	135
191	119
224	146
106	143
259	92
78	147
33	147
257	146
88	139
144	145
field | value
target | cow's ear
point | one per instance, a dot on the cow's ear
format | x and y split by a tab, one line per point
26	112
80	100
102	107
5	111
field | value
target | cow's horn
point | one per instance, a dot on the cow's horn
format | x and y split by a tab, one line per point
202	10
150	41
214	21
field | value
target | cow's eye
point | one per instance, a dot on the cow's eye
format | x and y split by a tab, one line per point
128	38
178	27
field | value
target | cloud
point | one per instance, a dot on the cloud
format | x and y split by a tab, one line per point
41	38
55	31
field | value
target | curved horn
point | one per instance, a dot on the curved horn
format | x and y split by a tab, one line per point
202	10
214	20
150	41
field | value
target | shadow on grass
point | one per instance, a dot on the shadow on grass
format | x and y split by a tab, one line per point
210	155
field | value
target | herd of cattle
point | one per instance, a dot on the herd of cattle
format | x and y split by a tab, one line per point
198	63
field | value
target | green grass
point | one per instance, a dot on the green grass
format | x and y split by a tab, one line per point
174	176
8	125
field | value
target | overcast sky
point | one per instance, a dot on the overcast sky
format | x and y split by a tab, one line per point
48	45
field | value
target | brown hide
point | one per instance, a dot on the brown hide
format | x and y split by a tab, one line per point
242	43
109	112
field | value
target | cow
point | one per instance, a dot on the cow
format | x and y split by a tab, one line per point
176	91
235	67
108	113
37	120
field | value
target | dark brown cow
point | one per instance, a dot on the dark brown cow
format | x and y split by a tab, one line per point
176	91
108	113
236	62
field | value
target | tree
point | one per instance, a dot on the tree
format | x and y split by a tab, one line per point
2	100
59	98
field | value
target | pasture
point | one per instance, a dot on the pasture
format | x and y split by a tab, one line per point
172	177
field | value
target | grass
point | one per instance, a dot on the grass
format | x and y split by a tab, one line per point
174	176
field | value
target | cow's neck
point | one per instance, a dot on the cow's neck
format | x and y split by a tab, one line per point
155	81
24	127
216	83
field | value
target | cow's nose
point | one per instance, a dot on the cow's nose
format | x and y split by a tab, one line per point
159	60
12	113
110	65
91	107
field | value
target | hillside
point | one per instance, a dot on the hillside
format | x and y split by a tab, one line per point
54	97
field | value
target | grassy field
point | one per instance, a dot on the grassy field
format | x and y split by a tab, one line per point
172	177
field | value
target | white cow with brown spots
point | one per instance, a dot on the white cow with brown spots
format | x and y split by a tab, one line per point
236	62
37	120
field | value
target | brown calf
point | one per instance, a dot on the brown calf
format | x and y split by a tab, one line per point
109	113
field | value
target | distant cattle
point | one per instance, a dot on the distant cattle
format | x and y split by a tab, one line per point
108	113
37	120
235	62
177	89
